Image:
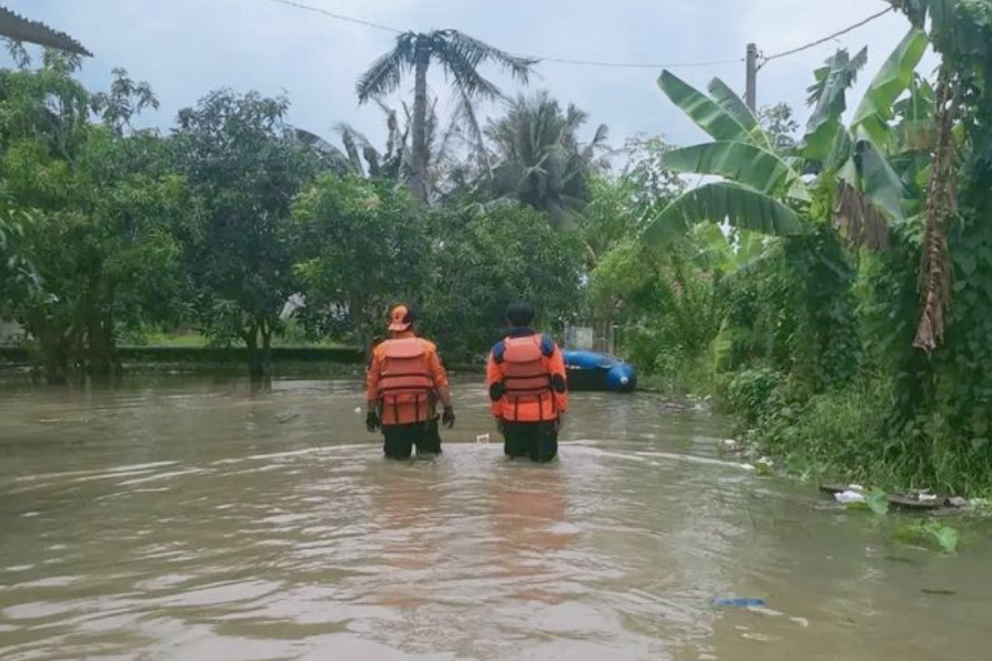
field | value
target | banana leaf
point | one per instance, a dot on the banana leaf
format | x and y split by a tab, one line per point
724	201
704	111
741	162
894	78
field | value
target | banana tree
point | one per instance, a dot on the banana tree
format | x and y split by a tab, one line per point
762	190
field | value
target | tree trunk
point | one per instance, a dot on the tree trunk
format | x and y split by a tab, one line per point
53	345
266	348
418	156
101	349
258	357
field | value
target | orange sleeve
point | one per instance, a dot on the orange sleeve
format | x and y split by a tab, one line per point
493	375
439	374
372	376
556	365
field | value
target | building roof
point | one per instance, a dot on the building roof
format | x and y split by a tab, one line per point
21	29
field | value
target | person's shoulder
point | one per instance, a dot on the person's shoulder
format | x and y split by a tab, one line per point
427	344
497	350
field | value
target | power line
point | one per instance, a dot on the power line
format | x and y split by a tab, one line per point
340	17
601	63
768	58
633	65
556	60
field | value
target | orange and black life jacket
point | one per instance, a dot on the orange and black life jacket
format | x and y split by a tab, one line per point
406	378
526	378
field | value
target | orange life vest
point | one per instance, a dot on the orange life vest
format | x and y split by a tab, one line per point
406	379
526	379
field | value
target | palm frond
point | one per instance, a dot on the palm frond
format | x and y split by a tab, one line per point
385	74
464	70
478	52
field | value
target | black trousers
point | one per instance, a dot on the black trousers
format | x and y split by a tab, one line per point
401	439
537	440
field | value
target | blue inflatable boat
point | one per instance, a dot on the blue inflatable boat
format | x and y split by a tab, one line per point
589	370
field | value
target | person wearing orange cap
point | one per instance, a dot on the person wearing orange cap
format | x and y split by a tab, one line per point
525	374
405	379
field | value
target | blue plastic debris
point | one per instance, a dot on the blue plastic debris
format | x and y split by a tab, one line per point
738	602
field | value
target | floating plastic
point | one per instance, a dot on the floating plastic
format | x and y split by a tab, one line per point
739	602
482	439
849	496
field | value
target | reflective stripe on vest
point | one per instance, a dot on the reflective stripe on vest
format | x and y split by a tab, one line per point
405	378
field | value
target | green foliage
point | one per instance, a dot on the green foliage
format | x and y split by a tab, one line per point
877	105
101	204
244	169
359	246
744	163
707	113
878	501
779	124
741	206
945	537
539	160
828	96
483	261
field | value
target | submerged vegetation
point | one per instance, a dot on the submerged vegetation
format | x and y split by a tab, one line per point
828	283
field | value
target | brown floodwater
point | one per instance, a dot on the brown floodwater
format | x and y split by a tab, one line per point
188	518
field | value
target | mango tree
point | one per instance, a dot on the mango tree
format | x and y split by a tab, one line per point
100	204
244	167
359	246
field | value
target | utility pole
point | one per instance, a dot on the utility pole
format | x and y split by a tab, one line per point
751	95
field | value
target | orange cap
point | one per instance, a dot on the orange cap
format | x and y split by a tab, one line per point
400	319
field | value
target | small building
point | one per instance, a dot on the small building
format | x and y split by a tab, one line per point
18	28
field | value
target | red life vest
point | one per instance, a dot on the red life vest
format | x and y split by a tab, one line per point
526	379
406	379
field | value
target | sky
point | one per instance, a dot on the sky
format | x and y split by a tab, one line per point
185	48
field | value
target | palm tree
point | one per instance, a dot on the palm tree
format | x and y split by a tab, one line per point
539	159
460	56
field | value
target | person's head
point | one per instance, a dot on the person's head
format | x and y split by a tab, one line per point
402	317
520	313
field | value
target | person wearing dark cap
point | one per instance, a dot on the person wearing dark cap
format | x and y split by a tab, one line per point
405	379
527	385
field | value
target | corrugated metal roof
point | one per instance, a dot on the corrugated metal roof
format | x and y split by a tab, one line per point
21	29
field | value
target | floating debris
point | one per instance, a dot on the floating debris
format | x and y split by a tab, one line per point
738	602
850	496
731	445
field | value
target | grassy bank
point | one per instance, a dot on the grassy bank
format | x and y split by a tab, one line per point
847	435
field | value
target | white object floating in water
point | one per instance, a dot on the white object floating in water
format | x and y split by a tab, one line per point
766	462
358	410
748	467
801	621
927	497
849	496
482	438
731	445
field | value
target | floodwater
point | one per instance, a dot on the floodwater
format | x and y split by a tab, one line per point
191	519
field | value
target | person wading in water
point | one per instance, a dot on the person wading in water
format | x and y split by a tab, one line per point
405	379
527	385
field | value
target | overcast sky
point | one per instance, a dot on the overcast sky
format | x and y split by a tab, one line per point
185	48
